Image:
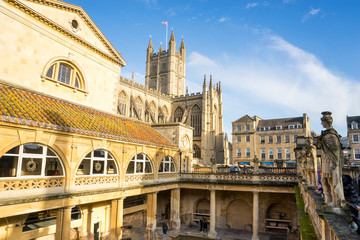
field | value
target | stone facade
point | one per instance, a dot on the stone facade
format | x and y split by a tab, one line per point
353	134
271	141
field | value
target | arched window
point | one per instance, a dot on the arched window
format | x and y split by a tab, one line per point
98	162
197	151
196	120
31	160
161	116
165	113
138	107
216	120
65	73
122	104
139	164
152	111
167	165
178	114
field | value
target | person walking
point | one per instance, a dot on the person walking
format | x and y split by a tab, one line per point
201	225
205	225
165	227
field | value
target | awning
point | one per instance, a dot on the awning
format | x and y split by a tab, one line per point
266	163
244	163
290	162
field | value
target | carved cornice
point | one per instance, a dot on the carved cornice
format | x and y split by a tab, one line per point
116	56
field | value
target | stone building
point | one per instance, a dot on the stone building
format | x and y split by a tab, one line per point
272	141
79	159
164	100
353	133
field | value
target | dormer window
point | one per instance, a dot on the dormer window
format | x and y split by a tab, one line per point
278	127
299	126
291	126
354	125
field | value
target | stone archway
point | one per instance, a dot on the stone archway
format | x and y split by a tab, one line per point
202	206
239	215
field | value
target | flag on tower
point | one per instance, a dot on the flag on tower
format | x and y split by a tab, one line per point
164	23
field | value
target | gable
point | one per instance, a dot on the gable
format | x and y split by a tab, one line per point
73	21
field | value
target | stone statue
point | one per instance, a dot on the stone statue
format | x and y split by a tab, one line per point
331	162
213	163
256	165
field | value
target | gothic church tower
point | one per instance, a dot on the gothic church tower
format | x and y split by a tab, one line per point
165	70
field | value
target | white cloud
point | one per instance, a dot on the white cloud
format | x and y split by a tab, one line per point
222	19
283	80
251	5
311	13
196	59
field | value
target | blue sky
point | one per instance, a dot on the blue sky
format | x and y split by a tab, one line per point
275	59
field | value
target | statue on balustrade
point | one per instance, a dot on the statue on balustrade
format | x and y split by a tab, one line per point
331	162
310	161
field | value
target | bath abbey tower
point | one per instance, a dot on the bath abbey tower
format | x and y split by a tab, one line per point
163	100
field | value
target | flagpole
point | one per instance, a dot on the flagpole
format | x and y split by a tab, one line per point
166	36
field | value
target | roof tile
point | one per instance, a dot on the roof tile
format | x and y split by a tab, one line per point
32	109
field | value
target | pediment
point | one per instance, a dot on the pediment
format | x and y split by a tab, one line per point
74	21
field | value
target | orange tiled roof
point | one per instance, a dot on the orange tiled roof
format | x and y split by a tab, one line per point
27	108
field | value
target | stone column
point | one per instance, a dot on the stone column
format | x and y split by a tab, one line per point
175	209
151	215
116	219
212	232
13	232
63	223
255	235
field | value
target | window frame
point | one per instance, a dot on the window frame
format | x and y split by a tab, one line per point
43	156
167	160
247	138
262	154
271	154
248	152
238	152
353	138
279	153
75	74
356	152
278	139
106	159
262	139
144	161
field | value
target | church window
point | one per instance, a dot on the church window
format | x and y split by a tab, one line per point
98	162
196	120
152	111
122	104
197	151
139	164
167	165
178	114
65	73
30	160
138	107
